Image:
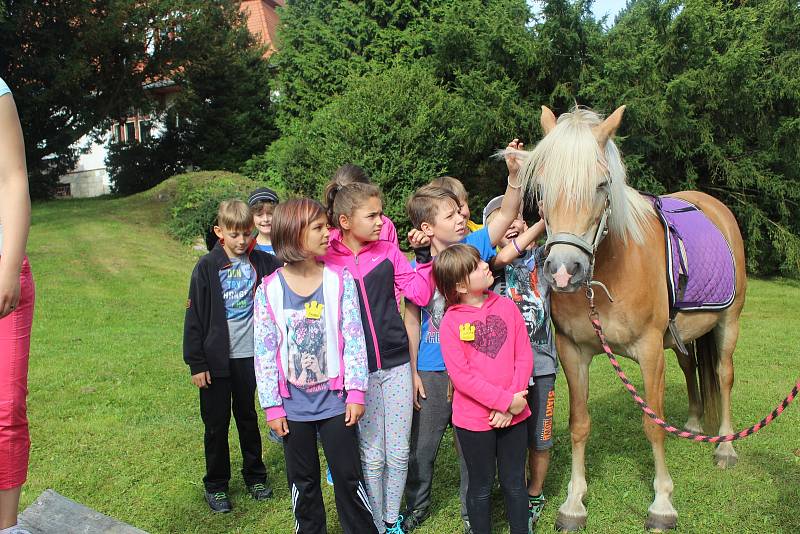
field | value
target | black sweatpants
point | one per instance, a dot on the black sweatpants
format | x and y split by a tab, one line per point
340	444
237	393
508	449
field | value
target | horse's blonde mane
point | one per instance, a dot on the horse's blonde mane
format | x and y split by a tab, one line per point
568	161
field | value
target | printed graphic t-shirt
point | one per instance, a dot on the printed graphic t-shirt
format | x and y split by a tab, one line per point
430	357
238	281
520	282
310	397
266	248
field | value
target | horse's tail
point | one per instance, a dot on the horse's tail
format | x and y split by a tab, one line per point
707	359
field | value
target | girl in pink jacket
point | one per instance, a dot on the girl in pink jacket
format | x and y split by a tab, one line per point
489	359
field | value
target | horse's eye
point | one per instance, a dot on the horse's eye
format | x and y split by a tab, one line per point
602	185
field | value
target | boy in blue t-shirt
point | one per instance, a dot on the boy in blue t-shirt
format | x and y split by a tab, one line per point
435	214
262	204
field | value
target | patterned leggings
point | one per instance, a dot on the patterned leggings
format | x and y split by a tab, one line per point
384	434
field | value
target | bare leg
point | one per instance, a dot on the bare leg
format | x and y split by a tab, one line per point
689	368
9	505
726	333
538	462
572	513
650	351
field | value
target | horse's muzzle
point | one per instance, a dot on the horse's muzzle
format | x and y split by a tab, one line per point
566	268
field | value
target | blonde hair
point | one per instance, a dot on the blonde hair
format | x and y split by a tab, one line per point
424	204
235	215
569	161
452	267
345	199
451	184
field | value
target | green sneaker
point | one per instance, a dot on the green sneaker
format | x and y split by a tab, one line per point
535	506
259	491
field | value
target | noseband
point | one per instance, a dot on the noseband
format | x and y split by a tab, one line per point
584	244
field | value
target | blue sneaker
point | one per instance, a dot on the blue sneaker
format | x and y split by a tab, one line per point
328	477
397	528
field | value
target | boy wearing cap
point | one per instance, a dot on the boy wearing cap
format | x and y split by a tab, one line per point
516	274
262	204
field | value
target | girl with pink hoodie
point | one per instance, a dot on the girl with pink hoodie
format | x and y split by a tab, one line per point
488	356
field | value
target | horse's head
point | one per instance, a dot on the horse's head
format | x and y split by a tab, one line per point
576	171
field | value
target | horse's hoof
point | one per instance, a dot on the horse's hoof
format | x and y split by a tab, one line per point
566	523
725	460
693	426
660	523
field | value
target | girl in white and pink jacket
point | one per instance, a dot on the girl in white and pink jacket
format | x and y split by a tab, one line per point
311	367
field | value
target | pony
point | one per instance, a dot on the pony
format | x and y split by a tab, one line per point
603	233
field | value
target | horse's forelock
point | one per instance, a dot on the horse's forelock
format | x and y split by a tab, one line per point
568	161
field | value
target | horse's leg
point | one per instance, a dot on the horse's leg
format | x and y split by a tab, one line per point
689	368
572	513
650	352
726	334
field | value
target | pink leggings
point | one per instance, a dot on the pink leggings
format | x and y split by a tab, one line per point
15	344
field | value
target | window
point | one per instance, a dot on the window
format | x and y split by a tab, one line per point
144	131
63	190
130	132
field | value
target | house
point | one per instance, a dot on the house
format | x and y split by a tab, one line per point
89	178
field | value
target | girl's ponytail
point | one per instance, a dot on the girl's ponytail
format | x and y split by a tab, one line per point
344	175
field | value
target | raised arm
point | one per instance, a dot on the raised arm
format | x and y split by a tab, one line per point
523	241
512	198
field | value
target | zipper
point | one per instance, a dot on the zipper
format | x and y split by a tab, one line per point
369	314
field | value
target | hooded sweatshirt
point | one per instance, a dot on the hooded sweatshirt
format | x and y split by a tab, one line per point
344	337
380	268
488	369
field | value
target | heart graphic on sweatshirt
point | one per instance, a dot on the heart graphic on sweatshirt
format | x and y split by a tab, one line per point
490	336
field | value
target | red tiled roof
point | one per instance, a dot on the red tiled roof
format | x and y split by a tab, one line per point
262	20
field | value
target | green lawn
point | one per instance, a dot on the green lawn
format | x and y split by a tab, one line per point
115	422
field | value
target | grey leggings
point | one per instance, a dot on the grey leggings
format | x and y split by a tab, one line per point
384	433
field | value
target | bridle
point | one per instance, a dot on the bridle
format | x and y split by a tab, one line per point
585	243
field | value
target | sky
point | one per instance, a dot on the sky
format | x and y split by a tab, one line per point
607	7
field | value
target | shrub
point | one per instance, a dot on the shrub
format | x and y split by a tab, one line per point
197	197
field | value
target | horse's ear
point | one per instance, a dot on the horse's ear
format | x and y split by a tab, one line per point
548	120
608	127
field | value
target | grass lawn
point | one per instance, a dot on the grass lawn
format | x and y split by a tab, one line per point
115	422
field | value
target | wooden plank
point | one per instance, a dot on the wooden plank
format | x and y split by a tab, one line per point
52	513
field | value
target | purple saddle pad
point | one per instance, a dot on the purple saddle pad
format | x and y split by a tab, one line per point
700	266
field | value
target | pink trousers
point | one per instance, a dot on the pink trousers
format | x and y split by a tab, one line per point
15	343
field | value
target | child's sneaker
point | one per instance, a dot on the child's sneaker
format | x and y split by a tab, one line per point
259	491
415	518
397	527
219	502
535	506
328	476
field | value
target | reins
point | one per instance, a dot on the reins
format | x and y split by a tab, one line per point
594	317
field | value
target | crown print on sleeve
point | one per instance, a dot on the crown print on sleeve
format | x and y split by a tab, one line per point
314	310
466	332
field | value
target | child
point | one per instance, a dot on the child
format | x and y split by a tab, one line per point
434	212
262	203
379	268
455	186
517	277
348	174
489	360
218	347
311	368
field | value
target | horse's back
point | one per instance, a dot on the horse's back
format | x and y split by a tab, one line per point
723	218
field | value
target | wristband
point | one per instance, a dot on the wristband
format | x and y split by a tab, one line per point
514	242
513	186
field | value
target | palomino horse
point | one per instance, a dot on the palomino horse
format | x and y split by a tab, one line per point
577	172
